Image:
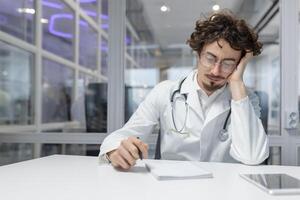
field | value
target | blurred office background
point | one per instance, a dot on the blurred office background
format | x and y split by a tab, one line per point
56	78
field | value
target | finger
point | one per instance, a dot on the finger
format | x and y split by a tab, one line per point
126	155
113	158
247	57
143	147
145	150
115	164
119	160
131	148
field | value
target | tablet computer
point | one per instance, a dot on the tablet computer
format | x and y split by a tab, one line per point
275	184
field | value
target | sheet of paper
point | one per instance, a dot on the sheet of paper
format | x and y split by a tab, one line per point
170	169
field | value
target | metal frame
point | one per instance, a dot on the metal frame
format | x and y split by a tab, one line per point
116	64
289	31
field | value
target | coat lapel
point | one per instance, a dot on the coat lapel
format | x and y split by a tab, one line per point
219	106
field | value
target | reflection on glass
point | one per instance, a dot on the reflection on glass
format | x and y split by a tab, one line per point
58	29
264	77
275	156
152	45
87	45
15	152
298	159
17	18
104	15
104	56
138	83
96	107
70	149
128	41
90	7
275	181
57	92
78	108
16	92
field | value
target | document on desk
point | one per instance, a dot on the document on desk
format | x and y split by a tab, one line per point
175	170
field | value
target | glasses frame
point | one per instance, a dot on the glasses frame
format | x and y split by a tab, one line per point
209	65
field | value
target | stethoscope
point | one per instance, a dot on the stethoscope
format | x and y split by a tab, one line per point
223	133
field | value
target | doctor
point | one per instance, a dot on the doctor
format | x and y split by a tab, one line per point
207	116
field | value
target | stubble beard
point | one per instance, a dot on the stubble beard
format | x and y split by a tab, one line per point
211	86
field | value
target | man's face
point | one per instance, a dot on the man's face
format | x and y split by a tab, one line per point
216	62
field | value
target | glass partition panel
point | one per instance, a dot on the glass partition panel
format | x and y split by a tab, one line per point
275	156
57	90
298	156
17	18
70	149
58	29
88	42
15	152
16	92
90	106
90	7
104	15
104	56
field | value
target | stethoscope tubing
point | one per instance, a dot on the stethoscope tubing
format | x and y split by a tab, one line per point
223	134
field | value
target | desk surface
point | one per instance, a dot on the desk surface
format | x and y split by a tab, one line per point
80	177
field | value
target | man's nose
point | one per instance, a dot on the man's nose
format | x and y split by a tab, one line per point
216	69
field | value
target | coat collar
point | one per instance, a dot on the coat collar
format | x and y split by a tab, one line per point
220	105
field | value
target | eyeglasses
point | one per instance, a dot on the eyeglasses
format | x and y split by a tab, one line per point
210	61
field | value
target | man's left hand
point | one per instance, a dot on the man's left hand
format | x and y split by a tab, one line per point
237	74
235	80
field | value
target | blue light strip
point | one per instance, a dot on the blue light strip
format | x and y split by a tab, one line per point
52	25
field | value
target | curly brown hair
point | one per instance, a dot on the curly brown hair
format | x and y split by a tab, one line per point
224	25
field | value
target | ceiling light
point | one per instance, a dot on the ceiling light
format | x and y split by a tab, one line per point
164	8
44	21
216	7
26	10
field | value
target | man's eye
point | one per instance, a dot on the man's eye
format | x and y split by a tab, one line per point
228	65
210	58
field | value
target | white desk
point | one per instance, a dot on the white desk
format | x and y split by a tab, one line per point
78	177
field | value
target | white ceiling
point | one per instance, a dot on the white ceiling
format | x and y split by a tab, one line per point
171	29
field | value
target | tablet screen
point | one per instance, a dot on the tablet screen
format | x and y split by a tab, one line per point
275	181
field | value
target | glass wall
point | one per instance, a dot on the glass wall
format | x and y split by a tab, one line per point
53	74
17	19
57	87
58	28
16	92
15	152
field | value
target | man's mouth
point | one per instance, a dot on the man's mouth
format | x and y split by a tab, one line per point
214	78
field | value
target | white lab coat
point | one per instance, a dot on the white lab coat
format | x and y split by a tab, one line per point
247	142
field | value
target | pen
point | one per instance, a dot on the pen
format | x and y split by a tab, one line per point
140	152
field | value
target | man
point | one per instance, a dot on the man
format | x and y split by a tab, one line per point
209	115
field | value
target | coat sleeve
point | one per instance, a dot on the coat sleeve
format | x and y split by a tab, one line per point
141	123
249	140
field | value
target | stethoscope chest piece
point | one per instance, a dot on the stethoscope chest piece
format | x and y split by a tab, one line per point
223	135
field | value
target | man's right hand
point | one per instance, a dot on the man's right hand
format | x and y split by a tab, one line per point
127	153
